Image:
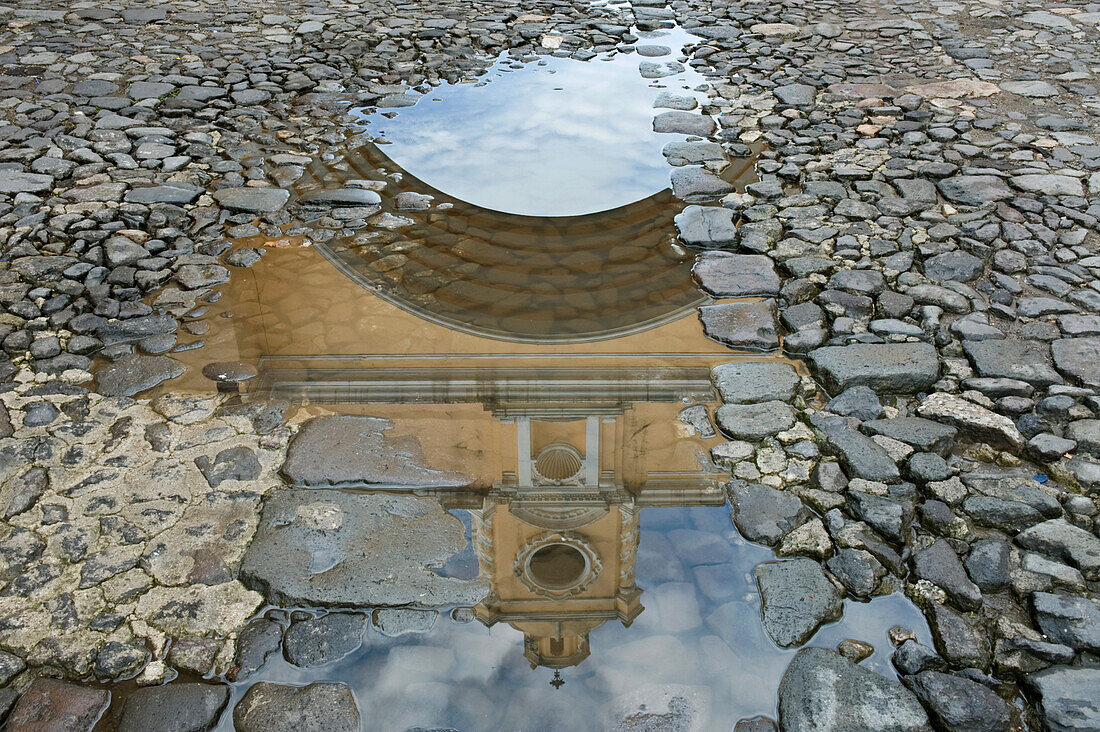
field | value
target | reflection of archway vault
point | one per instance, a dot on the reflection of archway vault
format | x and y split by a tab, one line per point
545	279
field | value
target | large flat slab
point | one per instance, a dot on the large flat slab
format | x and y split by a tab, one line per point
334	548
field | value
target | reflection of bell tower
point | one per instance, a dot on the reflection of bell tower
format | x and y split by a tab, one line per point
557	547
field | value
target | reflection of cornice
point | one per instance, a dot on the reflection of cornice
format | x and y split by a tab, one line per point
506	392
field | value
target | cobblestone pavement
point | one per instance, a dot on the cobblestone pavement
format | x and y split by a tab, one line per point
926	218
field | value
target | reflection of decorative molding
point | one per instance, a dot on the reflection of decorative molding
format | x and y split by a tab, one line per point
559	463
482	537
558	518
592	564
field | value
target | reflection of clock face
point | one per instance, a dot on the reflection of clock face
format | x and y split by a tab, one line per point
558	565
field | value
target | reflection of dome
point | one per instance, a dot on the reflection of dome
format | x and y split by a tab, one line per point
513	277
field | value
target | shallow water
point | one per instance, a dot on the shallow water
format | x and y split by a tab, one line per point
550	137
533	330
698	638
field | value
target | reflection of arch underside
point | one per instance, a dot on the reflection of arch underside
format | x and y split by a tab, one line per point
519	278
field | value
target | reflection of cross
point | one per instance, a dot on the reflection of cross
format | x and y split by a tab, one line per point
557	682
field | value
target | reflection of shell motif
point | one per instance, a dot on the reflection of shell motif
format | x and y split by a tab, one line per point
558	463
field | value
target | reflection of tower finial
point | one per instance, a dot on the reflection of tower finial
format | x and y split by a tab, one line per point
557	682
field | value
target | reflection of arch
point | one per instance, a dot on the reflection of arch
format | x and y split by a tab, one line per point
513	277
557	518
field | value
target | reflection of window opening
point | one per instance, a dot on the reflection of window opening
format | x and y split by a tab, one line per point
557	566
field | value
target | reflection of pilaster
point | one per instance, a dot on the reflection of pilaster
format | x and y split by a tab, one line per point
628	543
523	451
592	451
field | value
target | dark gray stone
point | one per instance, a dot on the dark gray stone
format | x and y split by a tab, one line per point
341	197
763	514
796	598
684	123
903	368
232	463
320	707
860	402
346	450
747	382
708	227
912	657
957	265
1012	359
923	434
1063	541
1067	698
1078	358
825	692
890	518
255	644
742	324
323	639
959	704
754	421
49	704
956	638
1073	621
136	373
252	200
736	275
988	564
940	565
974	190
857	570
183	707
861	456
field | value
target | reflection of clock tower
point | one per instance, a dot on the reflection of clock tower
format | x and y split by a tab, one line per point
557	546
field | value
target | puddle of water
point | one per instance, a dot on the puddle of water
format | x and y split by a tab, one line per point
551	137
696	636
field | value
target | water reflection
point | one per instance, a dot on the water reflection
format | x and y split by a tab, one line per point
518	278
552	137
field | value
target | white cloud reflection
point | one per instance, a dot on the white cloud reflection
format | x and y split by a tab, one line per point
555	139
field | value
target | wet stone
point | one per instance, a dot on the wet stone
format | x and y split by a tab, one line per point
252	200
754	421
709	227
748	382
895	368
49	704
397	621
345	450
959	641
1012	359
736	275
796	598
941	566
319	707
742	324
324	639
231	372
1073	621
182	707
821	690
684	123
698	185
1078	358
860	402
136	373
243	257
232	463
329	548
763	514
255	644
956	703
120	660
1067	698
1063	541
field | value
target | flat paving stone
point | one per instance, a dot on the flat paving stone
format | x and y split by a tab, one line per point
736	275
